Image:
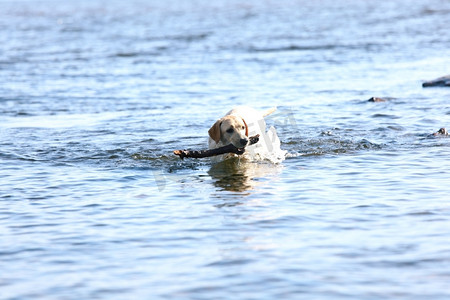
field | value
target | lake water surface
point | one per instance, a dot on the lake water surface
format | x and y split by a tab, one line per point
95	95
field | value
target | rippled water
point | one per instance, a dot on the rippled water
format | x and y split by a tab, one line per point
95	95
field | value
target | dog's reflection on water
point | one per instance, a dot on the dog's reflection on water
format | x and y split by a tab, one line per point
236	175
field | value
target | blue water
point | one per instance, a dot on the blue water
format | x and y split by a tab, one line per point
95	95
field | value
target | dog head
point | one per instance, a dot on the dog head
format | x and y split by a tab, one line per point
230	130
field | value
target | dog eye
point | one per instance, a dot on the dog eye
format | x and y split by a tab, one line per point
242	127
230	130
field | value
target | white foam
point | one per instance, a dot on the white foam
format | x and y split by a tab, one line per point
268	148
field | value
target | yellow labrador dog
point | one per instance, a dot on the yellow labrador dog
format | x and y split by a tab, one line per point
235	128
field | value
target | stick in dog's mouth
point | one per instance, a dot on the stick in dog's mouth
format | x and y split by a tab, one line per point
217	151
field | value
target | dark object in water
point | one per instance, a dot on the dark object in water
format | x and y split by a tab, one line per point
441	81
377	99
441	132
217	151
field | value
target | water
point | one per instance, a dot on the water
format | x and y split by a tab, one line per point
95	95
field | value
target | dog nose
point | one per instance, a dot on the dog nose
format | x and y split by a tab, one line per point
244	142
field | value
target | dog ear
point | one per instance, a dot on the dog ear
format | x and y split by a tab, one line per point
214	131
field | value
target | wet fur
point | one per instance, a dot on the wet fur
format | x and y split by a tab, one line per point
233	128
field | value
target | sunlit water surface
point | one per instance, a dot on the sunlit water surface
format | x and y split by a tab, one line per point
95	95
